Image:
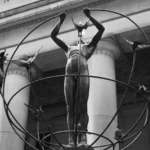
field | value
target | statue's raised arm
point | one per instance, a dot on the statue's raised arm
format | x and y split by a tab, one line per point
55	32
97	37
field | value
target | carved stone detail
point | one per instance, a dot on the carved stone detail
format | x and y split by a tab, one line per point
38	20
108	48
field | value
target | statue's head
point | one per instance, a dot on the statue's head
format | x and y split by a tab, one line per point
80	23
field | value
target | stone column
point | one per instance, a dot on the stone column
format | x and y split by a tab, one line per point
17	77
102	103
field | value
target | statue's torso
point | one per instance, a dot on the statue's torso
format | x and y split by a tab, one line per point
75	57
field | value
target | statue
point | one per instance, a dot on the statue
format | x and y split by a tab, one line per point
25	61
3	58
72	67
29	61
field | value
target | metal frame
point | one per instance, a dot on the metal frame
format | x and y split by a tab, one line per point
17	126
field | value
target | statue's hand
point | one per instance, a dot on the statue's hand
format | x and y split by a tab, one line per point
87	12
62	16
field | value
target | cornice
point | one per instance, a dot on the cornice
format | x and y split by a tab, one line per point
26	7
28	21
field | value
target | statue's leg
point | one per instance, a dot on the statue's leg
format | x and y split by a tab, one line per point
84	93
69	90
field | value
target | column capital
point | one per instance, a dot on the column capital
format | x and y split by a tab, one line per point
108	47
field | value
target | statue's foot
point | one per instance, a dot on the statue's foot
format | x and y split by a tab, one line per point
83	145
70	145
71	142
83	141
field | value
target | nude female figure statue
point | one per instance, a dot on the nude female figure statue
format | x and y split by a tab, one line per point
81	52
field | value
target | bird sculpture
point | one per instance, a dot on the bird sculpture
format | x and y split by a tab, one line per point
136	45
